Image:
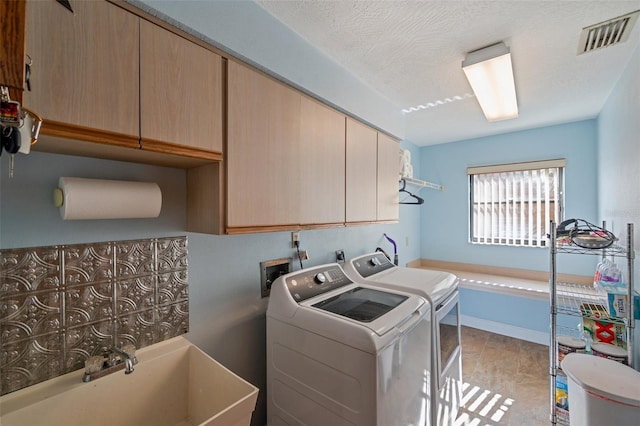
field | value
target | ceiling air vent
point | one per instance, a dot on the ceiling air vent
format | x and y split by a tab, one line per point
607	33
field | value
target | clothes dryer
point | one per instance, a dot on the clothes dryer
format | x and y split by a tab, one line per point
441	290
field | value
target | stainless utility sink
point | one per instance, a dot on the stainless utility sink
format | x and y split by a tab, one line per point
174	383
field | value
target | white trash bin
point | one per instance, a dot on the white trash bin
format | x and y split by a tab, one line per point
601	391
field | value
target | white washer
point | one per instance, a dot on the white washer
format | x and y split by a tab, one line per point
441	290
344	353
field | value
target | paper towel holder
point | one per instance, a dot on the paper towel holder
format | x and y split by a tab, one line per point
58	197
80	198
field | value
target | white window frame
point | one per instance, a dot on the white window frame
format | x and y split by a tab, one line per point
519	200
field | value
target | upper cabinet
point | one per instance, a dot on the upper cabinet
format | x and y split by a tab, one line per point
263	171
102	74
388	175
322	162
262	156
181	94
12	28
85	73
372	175
285	156
361	172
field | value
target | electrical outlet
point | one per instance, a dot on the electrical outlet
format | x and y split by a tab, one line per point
340	256
295	238
303	255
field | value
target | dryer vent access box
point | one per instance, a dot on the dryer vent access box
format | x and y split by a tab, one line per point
270	270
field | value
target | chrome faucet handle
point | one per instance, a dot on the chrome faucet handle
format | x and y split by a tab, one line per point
130	350
93	364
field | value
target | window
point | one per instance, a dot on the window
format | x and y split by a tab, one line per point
512	204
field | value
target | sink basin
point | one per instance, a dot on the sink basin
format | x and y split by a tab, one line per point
174	383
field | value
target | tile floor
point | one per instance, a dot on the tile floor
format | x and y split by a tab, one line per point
506	380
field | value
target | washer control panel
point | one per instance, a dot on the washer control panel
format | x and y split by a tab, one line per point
372	264
310	283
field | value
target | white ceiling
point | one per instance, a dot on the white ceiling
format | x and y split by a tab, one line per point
411	53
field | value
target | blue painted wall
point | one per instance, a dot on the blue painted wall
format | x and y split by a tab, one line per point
445	216
227	314
532	314
619	155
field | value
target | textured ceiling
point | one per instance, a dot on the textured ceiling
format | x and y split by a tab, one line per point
411	53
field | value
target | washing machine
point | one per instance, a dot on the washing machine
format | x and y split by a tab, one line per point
341	352
441	290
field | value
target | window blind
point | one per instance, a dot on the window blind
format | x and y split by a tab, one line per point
512	204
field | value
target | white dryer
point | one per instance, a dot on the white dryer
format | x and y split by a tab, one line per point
344	353
441	290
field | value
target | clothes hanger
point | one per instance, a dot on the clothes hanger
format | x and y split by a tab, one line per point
417	200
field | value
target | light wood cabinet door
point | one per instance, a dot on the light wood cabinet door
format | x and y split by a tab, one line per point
181	94
322	162
361	172
388	176
12	44
263	185
85	70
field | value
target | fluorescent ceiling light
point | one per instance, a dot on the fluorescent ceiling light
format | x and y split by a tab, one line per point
490	74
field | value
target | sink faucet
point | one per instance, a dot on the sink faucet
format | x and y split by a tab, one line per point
125	357
117	359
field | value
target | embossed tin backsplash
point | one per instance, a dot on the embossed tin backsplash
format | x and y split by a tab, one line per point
60	305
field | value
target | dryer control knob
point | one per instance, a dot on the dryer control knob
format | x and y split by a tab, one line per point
319	278
374	261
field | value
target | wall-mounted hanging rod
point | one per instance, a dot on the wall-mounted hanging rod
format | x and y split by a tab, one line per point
423	184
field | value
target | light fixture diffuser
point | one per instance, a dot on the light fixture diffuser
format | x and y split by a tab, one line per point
490	74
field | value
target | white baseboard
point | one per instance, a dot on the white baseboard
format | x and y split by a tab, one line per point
521	333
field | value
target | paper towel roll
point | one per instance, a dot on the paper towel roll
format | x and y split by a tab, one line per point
80	198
